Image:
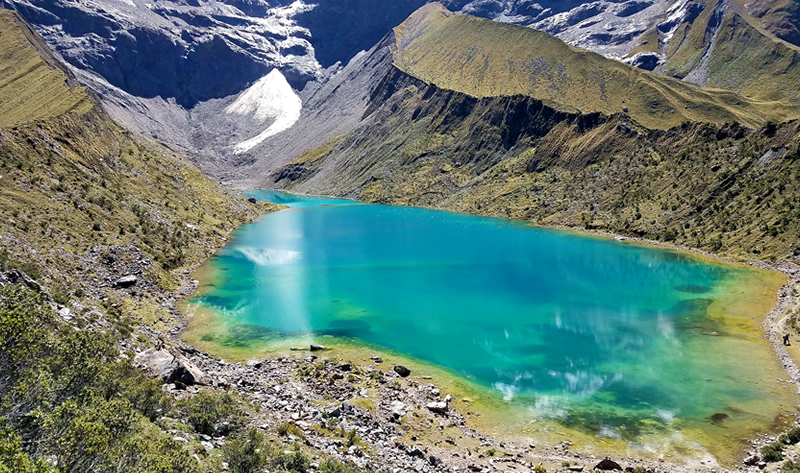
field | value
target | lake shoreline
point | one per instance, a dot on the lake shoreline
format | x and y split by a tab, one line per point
772	323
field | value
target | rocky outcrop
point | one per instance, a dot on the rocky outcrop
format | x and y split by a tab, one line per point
170	366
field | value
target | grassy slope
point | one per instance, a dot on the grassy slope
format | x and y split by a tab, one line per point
30	87
485	59
701	185
72	179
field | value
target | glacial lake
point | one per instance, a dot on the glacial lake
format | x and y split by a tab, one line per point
617	340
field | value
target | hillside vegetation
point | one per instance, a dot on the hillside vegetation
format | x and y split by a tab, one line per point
726	189
482	58
82	204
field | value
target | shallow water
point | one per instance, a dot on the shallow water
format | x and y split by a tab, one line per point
611	338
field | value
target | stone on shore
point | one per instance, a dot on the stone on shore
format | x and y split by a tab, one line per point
317	347
402	371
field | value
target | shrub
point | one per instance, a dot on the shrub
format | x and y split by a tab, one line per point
212	413
287	428
332	465
295	461
246	454
791	437
772	452
790	467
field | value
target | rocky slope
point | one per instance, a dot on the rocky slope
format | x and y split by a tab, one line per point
440	142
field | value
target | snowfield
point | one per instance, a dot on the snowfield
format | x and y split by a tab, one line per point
270	98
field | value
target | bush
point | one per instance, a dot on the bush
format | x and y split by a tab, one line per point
791	437
772	452
212	413
246	454
790	467
294	461
332	465
288	428
64	394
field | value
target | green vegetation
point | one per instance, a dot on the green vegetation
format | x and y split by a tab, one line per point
772	452
212	413
790	467
483	58
332	465
66	394
791	437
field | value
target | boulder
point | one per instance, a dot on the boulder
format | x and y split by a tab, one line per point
402	371
317	347
437	407
345	367
752	460
344	409
126	281
171	367
607	465
376	359
16	276
398	409
252	200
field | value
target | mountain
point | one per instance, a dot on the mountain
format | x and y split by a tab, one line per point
75	184
747	47
524	128
173	69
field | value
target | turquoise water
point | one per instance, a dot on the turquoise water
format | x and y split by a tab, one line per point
597	334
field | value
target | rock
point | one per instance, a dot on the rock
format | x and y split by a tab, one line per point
126	281
437	407
252	200
752	460
344	409
171	367
575	468
376	359
608	464
416	452
345	367
398	409
402	371
15	276
64	312
317	347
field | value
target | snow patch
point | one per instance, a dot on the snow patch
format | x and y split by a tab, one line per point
270	98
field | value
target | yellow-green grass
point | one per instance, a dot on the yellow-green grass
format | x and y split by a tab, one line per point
483	58
31	85
311	156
